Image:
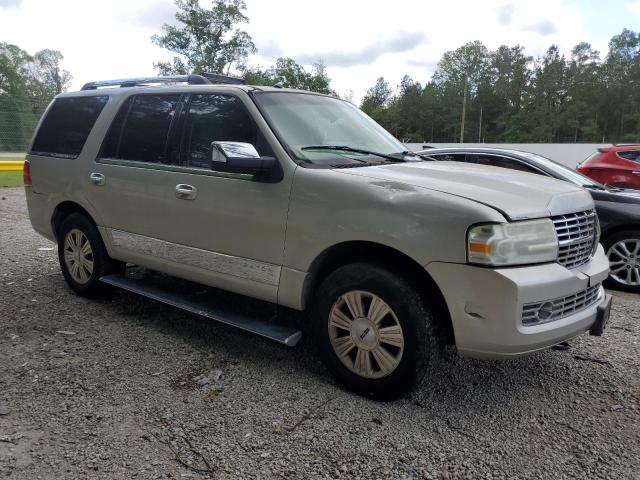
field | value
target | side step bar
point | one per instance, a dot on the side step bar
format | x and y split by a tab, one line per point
200	306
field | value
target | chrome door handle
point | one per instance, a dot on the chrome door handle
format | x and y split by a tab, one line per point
636	173
186	192
97	179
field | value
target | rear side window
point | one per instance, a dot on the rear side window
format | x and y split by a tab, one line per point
140	131
67	125
448	157
633	155
504	162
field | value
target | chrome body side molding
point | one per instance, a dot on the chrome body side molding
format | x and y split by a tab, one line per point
247	268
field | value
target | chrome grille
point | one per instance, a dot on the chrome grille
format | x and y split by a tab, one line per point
560	307
576	236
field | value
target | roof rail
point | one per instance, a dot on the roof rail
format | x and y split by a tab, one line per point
223	79
132	82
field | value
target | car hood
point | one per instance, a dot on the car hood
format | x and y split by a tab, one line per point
517	195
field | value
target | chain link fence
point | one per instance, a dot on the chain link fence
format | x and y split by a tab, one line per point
18	121
16	130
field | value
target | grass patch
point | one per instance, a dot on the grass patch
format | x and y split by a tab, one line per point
11	179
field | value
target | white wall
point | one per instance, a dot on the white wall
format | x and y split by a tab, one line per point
569	154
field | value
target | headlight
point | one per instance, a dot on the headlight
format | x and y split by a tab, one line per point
518	243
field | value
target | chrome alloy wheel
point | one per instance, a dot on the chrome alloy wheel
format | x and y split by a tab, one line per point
78	256
365	334
624	260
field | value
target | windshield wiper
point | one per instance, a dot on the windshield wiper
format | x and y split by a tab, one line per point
346	148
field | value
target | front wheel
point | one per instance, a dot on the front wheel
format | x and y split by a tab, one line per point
623	251
373	330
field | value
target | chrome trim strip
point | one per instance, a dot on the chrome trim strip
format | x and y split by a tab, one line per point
241	267
174	168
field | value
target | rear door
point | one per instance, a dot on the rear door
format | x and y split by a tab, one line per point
131	179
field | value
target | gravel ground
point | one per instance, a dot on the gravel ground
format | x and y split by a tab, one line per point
125	387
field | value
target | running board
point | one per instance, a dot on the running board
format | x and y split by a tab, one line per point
200	306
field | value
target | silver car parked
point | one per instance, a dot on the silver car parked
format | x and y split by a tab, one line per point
301	200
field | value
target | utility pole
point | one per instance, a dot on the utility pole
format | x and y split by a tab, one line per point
480	127
464	109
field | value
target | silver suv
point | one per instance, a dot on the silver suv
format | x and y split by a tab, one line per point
303	201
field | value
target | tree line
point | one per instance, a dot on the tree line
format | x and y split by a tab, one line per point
504	95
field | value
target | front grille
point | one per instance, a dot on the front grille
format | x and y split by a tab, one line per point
576	237
533	313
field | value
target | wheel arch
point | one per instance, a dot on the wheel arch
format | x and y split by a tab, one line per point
619	228
63	210
384	256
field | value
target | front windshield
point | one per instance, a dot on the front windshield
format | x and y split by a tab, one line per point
305	120
562	170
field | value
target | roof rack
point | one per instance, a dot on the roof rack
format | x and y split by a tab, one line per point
204	79
132	82
223	79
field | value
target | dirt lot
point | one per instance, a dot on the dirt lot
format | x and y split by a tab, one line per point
114	389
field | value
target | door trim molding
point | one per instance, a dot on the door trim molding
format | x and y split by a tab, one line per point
161	167
241	267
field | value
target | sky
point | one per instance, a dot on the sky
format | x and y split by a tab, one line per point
358	40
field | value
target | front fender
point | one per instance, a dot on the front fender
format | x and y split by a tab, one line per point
328	208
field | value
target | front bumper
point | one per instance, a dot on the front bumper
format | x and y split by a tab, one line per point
486	304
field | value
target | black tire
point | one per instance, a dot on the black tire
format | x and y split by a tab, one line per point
421	345
102	263
608	242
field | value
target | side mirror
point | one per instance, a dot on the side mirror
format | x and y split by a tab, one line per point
240	157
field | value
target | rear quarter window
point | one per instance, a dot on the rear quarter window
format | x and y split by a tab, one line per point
633	155
67	125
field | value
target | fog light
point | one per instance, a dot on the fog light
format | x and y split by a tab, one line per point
545	311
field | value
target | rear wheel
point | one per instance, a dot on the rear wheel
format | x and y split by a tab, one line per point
83	256
623	251
373	330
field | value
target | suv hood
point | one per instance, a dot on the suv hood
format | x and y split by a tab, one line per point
517	195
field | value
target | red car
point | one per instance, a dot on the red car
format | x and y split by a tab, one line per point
616	166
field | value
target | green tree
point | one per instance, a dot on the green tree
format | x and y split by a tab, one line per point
549	96
584	87
27	85
290	74
621	73
14	72
206	41
503	93
46	78
376	97
461	71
